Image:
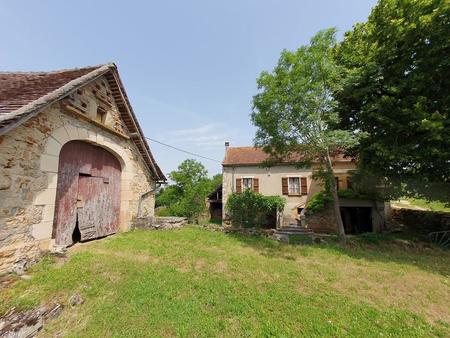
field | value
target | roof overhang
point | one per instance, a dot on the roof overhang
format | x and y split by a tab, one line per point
13	119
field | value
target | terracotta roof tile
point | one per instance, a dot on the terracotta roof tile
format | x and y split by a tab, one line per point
24	94
256	156
21	88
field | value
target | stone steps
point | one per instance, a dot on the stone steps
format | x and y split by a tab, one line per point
294	234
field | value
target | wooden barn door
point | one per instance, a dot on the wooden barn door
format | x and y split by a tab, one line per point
88	193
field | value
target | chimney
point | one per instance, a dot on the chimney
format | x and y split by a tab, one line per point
227	145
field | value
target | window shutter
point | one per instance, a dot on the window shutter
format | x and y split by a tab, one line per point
349	183
256	185
238	185
284	186
304	186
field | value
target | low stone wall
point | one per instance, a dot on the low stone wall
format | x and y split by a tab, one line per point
322	221
422	221
155	223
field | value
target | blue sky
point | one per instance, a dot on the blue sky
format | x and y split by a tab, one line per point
189	67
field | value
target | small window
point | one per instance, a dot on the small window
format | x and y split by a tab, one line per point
247	183
101	115
294	185
337	182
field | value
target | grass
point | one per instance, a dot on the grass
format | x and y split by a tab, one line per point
421	204
192	282
430	205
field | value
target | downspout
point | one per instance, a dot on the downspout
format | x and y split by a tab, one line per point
144	195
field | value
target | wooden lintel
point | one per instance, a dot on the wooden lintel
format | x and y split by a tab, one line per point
80	114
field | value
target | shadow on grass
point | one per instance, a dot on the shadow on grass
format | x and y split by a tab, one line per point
382	248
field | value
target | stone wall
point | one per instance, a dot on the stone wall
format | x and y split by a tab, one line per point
29	156
322	221
422	221
159	223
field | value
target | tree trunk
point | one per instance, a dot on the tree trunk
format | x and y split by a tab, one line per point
335	197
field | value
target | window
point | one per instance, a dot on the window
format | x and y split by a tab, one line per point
294	185
247	183
337	182
101	115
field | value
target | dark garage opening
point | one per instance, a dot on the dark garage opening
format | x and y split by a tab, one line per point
357	220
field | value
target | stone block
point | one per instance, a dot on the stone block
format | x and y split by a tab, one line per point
83	134
92	136
5	181
72	131
48	213
47	196
126	195
42	230
100	139
49	163
52	180
61	135
52	147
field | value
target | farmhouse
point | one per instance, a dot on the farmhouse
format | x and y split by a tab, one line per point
74	163
243	169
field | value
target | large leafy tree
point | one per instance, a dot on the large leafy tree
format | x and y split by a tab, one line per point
295	110
187	195
396	89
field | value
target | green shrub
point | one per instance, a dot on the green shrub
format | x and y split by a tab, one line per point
163	212
347	193
318	201
250	209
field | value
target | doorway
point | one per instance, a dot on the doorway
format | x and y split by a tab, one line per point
88	193
357	220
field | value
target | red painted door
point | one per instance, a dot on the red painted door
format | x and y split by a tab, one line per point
88	193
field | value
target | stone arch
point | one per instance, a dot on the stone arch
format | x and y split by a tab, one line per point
49	163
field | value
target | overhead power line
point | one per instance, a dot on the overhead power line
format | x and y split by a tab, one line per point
183	151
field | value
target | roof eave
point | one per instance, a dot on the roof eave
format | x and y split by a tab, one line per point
30	110
33	108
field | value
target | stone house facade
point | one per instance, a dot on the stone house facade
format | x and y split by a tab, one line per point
243	169
60	131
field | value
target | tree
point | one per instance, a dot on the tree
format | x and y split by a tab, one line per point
395	88
295	110
187	195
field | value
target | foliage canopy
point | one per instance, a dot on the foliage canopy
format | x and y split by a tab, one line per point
394	87
187	195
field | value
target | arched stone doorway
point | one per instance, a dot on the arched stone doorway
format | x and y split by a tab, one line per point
87	202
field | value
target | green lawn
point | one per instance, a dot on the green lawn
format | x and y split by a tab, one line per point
192	282
421	204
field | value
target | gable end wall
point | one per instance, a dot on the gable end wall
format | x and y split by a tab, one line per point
29	157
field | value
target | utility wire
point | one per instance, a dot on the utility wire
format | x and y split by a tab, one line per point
184	151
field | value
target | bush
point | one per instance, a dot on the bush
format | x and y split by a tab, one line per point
163	212
318	201
250	209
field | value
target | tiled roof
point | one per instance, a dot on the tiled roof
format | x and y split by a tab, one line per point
25	94
19	89
256	156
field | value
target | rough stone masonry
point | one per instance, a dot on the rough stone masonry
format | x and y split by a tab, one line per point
29	159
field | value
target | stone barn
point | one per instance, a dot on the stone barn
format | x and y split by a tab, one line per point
74	163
